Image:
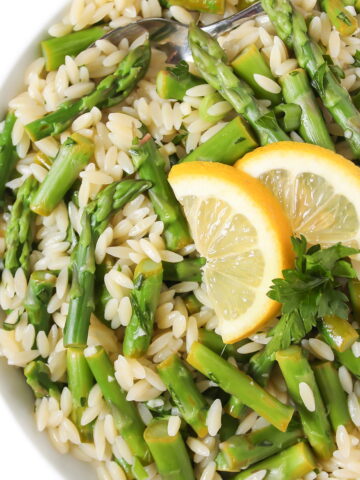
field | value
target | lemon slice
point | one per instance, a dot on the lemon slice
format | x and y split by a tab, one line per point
241	230
318	189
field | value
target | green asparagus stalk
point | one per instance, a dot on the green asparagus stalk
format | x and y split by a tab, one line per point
19	232
210	59
290	464
74	154
191	404
80	382
348	359
38	377
288	115
188	270
241	451
297	89
235	408
174	82
94	221
170	454
150	166
251	62
237	383
206	103
280	13
338	332
342	20
332	394
192	303
109	92
56	49
260	366
8	155
296	370
207	6
144	298
355	97
102	295
229	425
126	416
40	289
354	294
226	146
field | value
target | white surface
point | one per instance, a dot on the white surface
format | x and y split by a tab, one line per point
24	453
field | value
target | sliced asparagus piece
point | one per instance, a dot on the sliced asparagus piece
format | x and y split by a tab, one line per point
207	6
170	454
338	332
241	451
19	232
343	21
289	116
173	82
348	359
290	464
38	377
126	416
354	294
56	49
191	404
150	166
333	394
144	298
8	154
80	382
237	383
192	304
210	59
226	146
188	270
297	372
297	89
249	63
74	154
109	92
40	289
206	103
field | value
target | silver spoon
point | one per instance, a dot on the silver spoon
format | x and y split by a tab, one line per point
170	36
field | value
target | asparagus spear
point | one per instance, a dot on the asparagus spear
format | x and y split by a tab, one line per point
348	359
214	342
342	20
19	232
175	81
241	451
192	303
332	394
296	370
229	425
150	166
94	221
207	6
338	332
39	292
38	377
226	146
55	49
8	155
291	27
206	103
188	270
126	416
191	404
237	383
73	156
251	62
297	89
144	297
102	295
236	408
109	92
210	59
170	454
290	464
80	382
354	294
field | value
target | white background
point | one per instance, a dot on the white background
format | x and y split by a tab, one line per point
20	22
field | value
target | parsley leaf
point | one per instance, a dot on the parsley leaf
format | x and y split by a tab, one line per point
309	291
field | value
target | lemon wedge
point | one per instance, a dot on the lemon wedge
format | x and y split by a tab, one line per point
242	231
318	189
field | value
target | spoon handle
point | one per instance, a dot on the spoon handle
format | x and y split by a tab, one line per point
235	20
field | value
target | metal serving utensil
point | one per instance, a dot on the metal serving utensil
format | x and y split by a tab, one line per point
170	36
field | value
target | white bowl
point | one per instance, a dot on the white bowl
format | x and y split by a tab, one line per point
32	451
